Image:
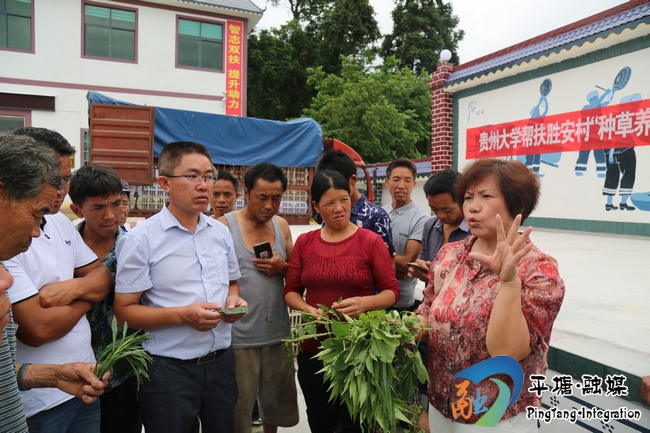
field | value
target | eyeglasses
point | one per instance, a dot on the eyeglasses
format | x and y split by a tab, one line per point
195	178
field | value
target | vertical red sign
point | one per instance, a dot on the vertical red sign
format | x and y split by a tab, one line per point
234	59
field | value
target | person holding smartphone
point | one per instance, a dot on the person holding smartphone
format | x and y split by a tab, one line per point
175	271
263	245
448	224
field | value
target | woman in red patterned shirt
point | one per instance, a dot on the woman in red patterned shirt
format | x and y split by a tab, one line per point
492	294
339	261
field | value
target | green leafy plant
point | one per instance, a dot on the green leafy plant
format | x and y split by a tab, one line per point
129	348
371	362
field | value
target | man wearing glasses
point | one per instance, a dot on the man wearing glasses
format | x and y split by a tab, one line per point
174	272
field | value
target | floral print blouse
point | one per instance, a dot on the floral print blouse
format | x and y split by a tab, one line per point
458	302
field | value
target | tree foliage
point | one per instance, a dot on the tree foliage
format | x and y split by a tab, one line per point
349	27
278	58
421	30
277	71
382	114
305	10
317	65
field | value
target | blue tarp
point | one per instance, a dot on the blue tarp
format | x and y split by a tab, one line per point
236	140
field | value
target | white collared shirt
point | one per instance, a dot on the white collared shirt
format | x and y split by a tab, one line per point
174	267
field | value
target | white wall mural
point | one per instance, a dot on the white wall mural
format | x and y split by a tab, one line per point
584	131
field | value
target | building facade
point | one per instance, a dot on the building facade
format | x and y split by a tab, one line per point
189	55
573	105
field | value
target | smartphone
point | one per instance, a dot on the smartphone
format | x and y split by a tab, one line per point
263	250
420	267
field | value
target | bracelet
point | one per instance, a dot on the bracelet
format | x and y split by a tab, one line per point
21	376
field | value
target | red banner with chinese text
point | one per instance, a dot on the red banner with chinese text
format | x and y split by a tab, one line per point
615	126
234	48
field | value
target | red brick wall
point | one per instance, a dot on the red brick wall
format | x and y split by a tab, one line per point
441	119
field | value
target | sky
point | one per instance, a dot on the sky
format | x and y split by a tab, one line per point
489	25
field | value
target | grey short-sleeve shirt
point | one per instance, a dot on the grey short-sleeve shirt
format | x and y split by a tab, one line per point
407	223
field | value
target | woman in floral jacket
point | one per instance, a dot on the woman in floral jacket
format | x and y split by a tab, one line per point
492	294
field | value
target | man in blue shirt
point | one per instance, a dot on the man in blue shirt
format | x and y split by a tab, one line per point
175	271
363	213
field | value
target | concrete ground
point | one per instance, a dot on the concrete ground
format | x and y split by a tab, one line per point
606	311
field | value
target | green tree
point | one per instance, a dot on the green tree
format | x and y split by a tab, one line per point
349	27
277	71
410	93
278	58
375	112
305	10
421	30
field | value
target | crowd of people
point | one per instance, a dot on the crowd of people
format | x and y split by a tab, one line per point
181	276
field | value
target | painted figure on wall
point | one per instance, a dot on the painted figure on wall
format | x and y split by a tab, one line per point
539	110
611	124
597	100
621	170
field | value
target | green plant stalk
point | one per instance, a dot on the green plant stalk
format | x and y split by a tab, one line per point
127	347
371	363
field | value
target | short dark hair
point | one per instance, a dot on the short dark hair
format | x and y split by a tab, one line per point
402	162
442	182
519	186
51	139
226	175
326	179
339	161
26	166
172	153
267	171
93	180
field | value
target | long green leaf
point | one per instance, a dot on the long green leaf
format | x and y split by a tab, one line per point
127	347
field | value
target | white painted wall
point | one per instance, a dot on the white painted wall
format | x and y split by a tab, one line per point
565	195
58	57
58	63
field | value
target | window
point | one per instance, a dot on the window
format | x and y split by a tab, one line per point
9	122
86	141
109	33
199	44
16	24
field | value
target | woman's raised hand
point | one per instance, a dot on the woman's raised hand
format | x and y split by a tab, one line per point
508	251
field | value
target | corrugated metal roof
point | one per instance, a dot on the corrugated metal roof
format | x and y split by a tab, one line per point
235	5
619	22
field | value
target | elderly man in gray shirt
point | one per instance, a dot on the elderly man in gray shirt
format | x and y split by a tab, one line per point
29	179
